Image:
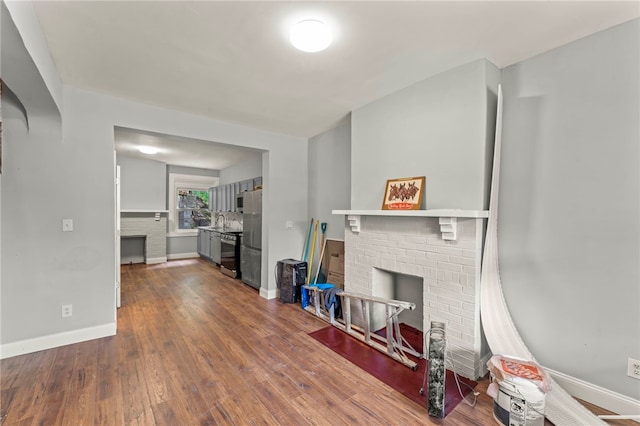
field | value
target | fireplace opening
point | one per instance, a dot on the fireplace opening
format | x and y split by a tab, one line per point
398	286
132	249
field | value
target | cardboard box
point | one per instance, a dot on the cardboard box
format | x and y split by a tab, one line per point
336	263
336	279
332	247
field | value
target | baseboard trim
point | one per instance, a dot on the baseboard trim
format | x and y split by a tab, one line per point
55	340
483	369
178	256
154	260
604	398
268	294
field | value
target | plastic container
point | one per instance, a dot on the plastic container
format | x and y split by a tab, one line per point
519	403
323	286
304	294
518	390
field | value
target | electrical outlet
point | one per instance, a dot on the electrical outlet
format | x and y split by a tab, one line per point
67	311
633	368
67	225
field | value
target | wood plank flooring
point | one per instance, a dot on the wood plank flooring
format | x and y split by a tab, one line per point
195	347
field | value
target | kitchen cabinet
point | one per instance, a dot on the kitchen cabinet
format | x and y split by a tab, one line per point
222	198
204	244
246	185
213	199
234	195
224	204
225	198
209	245
215	247
229	197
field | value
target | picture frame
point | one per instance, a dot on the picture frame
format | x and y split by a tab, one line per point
404	193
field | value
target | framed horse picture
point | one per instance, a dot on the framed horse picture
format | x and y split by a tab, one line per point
404	194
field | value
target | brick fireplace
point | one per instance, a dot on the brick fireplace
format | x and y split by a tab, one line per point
439	249
152	226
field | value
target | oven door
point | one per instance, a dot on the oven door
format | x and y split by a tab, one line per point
228	256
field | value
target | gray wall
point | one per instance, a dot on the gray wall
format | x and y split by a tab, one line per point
48	175
330	178
569	206
184	246
143	184
31	220
247	169
194	171
145	187
72	175
436	128
329	183
179	247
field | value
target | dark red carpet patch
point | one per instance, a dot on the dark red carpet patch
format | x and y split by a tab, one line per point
391	372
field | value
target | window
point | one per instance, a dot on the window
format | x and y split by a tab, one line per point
193	208
189	203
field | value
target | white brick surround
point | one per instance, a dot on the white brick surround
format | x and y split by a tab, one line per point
155	231
450	271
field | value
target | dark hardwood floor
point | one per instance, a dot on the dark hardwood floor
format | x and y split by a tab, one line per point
196	347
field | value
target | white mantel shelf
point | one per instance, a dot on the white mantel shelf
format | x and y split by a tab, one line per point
143	211
448	218
421	213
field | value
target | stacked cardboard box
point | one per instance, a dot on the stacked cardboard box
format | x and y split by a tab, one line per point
332	263
336	270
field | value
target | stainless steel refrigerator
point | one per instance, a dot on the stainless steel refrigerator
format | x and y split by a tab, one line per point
251	249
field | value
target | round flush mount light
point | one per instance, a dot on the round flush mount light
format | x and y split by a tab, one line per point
148	150
310	35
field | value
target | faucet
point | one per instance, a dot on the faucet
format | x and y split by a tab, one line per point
220	215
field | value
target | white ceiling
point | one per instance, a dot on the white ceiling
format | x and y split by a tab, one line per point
232	60
180	151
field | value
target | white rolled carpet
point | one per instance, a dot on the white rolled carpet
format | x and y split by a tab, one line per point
499	329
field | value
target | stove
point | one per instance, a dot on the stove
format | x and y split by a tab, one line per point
230	253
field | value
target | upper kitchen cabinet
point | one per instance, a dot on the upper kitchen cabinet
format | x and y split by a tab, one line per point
234	196
246	185
222	198
231	197
213	199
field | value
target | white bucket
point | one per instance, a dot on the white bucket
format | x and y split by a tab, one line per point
519	403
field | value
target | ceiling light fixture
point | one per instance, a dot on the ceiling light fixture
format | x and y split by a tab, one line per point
148	150
310	35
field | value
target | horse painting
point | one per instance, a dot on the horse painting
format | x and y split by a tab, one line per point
403	194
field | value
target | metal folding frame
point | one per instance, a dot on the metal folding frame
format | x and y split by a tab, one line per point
393	345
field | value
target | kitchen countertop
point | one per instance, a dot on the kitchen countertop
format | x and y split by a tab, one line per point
218	229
